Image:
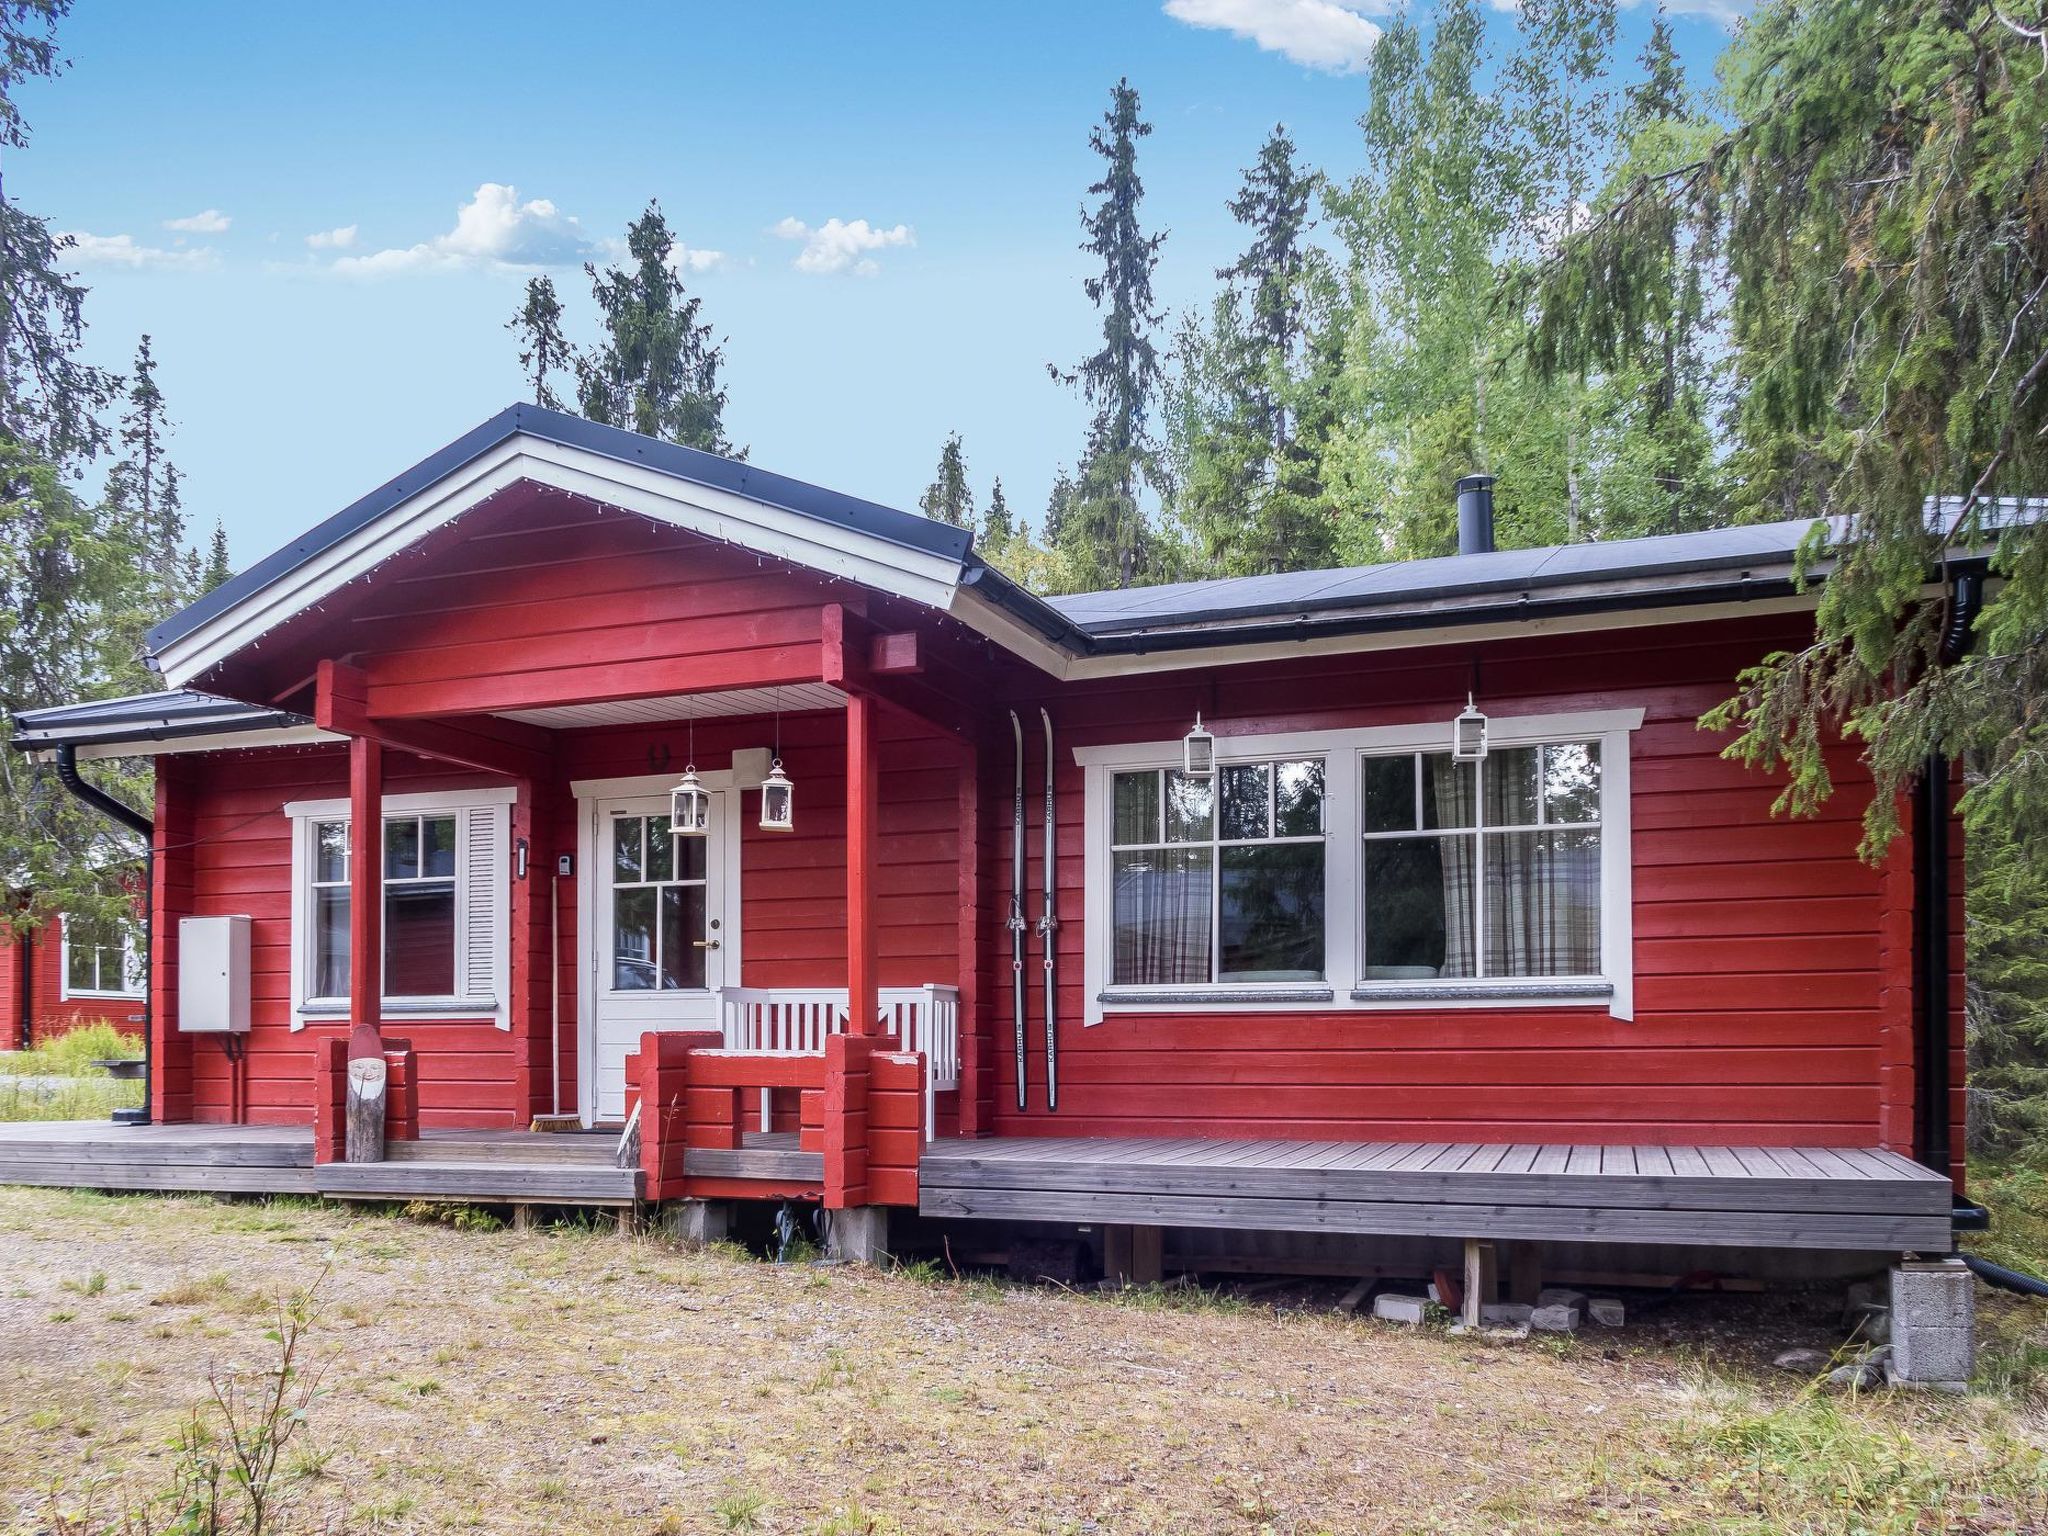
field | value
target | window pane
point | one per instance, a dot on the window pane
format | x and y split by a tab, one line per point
1160	918
81	965
1298	801
1190	808
661	848
134	963
1246	791
419	939
1389	794
1510	794
1571	782
330	851
1543	904
402	848
1418	908
330	941
437	846
633	939
690	856
682	923
626	847
1136	816
1272	913
1450	792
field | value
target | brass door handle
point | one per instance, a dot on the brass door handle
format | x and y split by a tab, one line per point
705	943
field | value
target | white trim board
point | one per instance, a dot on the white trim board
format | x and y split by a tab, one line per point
1342	752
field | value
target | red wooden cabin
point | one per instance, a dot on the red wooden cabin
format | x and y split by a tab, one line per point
1593	950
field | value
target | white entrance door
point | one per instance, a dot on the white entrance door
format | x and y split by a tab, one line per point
659	935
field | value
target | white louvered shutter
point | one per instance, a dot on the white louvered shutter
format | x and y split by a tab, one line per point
484	878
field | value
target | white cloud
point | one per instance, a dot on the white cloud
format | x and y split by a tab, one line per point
686	258
123	251
333	239
210	222
837	246
493	229
1320	34
1726	12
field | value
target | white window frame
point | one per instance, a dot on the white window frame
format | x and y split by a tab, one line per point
1343	752
133	963
307	816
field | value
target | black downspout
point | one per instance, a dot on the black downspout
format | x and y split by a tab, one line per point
136	822
1933	1124
25	992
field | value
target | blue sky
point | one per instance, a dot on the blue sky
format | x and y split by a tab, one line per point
325	215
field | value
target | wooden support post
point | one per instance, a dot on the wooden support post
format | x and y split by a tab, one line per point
1116	1255
628	1220
366	881
862	762
1525	1272
1481	1279
1148	1254
522	1218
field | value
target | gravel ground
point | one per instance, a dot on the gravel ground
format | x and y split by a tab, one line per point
571	1380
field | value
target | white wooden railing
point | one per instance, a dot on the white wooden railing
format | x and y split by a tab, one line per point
794	1021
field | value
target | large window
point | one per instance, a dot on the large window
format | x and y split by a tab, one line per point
419	907
445	878
102	959
1478	871
1363	869
1219	879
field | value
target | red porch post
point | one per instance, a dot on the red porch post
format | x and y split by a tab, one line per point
366	881
862	1002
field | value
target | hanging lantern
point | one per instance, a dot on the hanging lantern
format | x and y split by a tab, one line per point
1198	751
777	800
689	806
1468	734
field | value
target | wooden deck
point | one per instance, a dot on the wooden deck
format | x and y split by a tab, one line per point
1757	1197
508	1167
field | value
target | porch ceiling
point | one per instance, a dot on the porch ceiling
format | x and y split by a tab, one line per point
684	706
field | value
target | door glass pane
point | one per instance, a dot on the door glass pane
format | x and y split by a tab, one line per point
330	941
1190	808
633	939
682	925
419	939
1272	913
1543	904
661	849
1571	782
1136	818
1418	908
1511	783
626	847
437	845
1389	794
1298	799
1246	790
691	854
330	855
401	848
1449	792
1160	911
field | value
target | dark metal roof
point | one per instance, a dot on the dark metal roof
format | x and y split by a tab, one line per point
144	717
707	469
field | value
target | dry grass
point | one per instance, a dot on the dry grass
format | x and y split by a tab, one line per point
571	1381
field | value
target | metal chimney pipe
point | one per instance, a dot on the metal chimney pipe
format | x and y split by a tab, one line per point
1475	515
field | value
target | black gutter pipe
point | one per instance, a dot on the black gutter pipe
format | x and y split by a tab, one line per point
136	822
1933	1128
25	990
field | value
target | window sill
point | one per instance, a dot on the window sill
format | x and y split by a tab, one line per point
411	1007
71	996
1228	997
1485	992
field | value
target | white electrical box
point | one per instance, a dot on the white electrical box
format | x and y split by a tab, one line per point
213	975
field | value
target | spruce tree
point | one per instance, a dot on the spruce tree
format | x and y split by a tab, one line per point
543	350
142	485
998	525
1105	533
948	499
217	568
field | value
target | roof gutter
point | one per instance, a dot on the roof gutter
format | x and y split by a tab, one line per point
66	760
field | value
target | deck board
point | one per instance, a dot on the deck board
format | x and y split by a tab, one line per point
1748	1196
